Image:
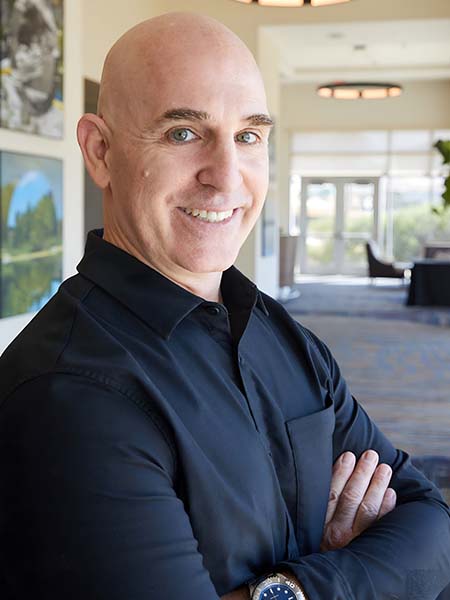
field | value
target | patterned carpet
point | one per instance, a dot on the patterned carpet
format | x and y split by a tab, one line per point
358	298
397	366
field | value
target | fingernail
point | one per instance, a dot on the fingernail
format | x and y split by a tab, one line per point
347	458
391	496
385	470
370	456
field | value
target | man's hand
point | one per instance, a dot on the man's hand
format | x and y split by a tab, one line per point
359	495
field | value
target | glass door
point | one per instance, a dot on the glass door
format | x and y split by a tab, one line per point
318	226
337	216
360	218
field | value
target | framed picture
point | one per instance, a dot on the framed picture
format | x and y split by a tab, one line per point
31	213
31	74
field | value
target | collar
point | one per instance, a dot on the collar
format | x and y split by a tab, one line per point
154	298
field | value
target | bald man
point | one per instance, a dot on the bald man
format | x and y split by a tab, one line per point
167	430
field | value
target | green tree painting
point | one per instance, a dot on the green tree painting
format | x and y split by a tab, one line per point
31	232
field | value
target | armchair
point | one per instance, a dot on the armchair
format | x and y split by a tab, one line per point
381	268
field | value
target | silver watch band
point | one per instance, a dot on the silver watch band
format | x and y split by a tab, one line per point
257	586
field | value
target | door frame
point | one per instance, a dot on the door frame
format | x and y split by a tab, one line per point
339	235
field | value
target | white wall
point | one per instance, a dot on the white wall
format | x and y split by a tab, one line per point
423	105
66	149
103	22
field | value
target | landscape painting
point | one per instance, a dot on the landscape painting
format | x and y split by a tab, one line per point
31	211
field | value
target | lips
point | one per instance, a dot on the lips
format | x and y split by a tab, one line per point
209	216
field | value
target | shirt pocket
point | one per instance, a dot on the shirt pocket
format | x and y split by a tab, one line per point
311	440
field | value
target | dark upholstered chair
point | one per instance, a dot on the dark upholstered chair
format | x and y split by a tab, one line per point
380	268
437	469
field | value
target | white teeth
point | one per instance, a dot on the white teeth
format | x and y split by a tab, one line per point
210	216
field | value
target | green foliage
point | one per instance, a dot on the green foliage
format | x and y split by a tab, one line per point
416	225
355	251
35	229
31	254
6	195
26	283
444	149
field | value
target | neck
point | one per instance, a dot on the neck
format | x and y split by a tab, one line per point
204	285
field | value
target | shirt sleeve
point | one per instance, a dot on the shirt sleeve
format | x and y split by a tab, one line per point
404	555
89	508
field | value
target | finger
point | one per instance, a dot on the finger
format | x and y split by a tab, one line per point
389	502
354	491
373	498
342	470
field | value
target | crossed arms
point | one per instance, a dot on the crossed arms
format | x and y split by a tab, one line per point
89	514
359	495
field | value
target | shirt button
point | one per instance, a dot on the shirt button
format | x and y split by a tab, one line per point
213	310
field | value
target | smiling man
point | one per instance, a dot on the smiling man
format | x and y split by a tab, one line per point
166	429
183	134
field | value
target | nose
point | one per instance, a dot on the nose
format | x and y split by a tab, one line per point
222	168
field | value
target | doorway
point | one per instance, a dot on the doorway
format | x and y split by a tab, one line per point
337	216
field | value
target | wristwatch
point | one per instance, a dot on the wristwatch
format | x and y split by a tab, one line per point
275	586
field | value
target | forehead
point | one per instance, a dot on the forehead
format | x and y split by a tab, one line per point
219	86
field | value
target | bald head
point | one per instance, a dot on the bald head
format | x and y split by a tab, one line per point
167	46
182	133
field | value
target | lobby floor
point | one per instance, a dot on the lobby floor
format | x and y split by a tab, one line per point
397	367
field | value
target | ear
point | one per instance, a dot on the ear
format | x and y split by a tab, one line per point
91	134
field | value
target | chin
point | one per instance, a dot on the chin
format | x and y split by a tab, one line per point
208	264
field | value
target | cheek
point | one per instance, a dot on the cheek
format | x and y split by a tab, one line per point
258	182
257	170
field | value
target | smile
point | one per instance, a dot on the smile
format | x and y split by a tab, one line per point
210	216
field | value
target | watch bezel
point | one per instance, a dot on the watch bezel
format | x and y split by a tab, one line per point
280	579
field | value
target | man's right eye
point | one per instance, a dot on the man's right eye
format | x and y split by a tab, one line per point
182	135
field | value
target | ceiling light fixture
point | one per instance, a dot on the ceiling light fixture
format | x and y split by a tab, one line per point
293	3
343	90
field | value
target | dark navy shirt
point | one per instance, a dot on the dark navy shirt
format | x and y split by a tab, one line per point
157	445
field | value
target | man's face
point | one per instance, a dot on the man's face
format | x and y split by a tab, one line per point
188	164
28	60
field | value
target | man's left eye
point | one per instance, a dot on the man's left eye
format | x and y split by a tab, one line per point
247	137
182	135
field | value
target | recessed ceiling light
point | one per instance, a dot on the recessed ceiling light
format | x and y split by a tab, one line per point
343	90
293	3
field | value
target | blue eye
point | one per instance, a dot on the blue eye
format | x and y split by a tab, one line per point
182	135
247	137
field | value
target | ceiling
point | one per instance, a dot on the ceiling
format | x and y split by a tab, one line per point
386	50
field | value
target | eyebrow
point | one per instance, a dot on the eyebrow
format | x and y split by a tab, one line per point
189	114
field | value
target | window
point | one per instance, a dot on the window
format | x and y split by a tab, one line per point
406	163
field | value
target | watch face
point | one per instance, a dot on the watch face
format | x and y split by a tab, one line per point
277	591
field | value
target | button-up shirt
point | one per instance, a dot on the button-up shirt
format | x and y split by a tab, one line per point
157	445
